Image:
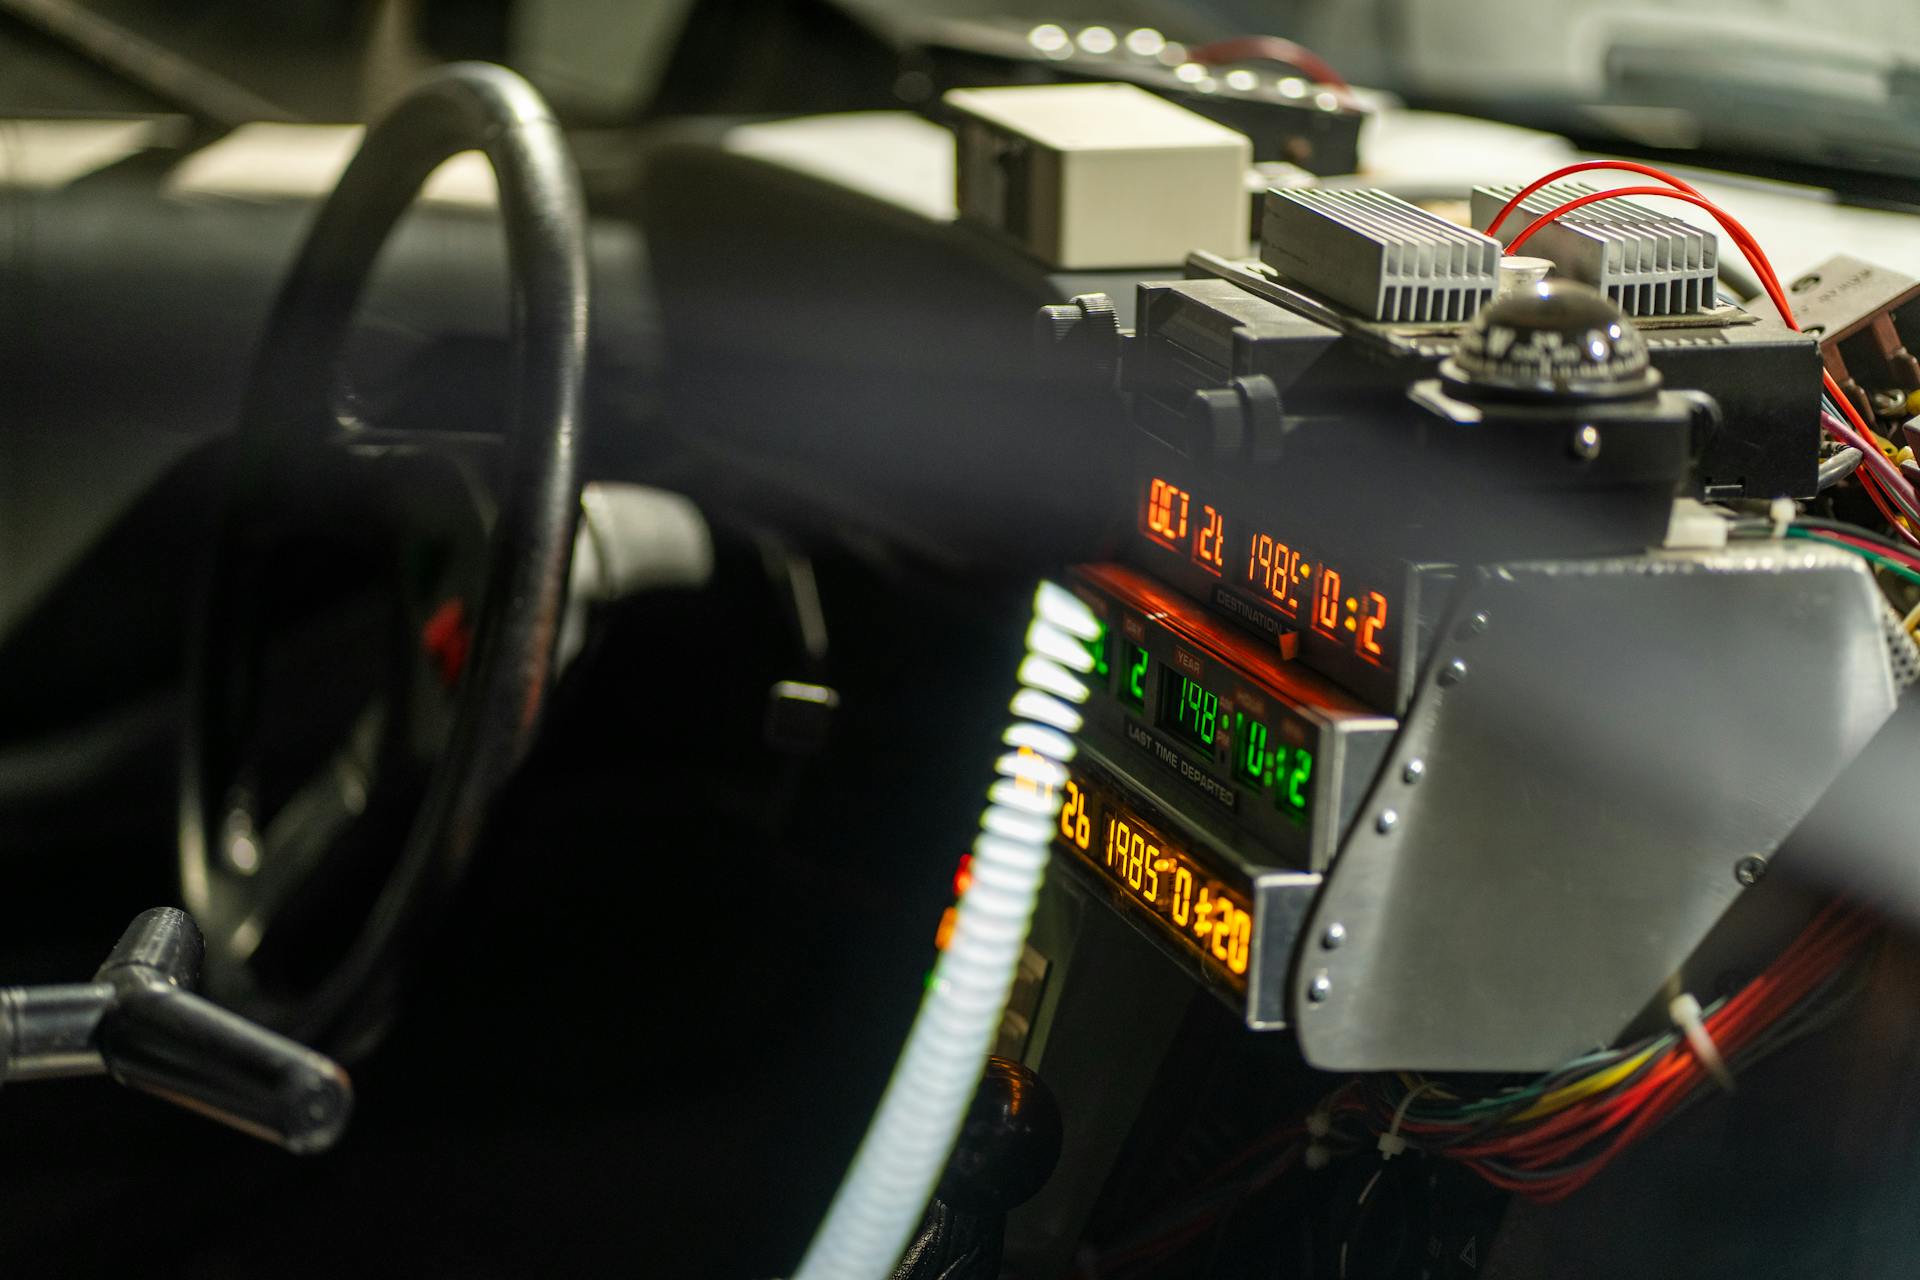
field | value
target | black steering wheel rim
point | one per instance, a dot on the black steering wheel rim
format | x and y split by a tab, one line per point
500	693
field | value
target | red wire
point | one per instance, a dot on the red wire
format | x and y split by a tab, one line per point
1870	484
1771	999
1269	49
1833	535
1769	280
1820	946
1873	482
1740	234
1585	166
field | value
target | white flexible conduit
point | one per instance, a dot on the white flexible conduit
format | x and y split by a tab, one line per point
886	1190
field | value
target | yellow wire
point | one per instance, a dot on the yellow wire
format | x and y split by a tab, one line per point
1599	1082
1559	1099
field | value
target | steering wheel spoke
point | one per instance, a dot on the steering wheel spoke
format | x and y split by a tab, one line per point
315	814
280	858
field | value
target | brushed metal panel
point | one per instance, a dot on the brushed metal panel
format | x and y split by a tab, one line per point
1617	736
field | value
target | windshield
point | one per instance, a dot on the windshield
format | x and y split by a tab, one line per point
1767	84
1820	89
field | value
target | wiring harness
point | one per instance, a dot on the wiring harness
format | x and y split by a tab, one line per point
1543	1138
1547	1138
1890	491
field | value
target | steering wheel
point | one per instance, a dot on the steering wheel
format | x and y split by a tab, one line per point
379	606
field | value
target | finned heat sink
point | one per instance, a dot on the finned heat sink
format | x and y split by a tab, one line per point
1650	263
1378	255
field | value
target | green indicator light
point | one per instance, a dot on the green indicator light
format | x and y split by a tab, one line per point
1297	778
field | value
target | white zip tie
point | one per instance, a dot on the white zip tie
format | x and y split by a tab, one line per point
1391	1143
1685	1012
1781	511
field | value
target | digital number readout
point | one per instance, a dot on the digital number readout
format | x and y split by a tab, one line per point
1189	709
1134	666
1285	772
1210	541
1210	919
1297	585
1166	516
1097	648
1195	715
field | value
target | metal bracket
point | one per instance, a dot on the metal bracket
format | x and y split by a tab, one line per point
1596	750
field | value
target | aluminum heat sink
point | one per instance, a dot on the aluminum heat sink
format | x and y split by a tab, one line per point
1378	255
1648	262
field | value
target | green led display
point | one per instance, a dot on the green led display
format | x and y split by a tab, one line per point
1190	710
1295	792
1253	747
1285	771
1098	648
1133	689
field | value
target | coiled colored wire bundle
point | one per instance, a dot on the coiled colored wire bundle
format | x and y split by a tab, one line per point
880	1201
1550	1137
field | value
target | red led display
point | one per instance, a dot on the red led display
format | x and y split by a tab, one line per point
1209	541
1283	576
1164	519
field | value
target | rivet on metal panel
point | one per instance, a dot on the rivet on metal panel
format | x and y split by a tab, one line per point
1336	933
1387	821
1586	442
1415	770
1750	870
1320	988
1453	673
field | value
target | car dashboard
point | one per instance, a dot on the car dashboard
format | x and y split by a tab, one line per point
1092	658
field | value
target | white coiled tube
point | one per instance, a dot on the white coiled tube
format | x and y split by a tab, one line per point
881	1200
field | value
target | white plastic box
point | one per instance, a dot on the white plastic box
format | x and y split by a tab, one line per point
1089	176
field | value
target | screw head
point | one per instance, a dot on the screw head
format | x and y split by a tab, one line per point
1387	821
1335	935
1453	673
1320	988
1586	443
1474	624
1750	870
1415	770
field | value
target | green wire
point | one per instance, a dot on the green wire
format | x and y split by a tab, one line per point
1467	1109
1885	562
